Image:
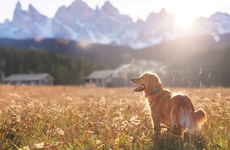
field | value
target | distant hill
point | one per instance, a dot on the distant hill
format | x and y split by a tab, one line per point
205	68
113	56
191	61
178	49
106	55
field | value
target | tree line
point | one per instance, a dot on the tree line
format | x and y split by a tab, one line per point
66	70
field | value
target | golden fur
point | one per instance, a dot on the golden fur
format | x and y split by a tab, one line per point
173	110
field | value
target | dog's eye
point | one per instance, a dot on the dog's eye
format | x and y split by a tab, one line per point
142	77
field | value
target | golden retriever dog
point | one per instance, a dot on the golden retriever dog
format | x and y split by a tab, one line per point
173	110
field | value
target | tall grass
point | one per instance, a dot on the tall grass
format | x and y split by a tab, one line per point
62	117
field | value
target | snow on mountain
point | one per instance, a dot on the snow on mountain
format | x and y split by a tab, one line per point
26	24
6	23
220	21
216	25
106	25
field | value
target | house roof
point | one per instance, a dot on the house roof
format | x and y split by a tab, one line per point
27	77
100	74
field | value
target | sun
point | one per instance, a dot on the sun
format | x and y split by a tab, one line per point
183	21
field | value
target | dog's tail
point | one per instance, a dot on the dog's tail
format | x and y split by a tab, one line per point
195	120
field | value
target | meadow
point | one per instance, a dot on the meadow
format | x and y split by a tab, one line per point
65	117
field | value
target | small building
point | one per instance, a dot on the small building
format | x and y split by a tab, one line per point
100	78
121	76
29	79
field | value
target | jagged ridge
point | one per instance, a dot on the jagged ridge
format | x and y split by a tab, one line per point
106	25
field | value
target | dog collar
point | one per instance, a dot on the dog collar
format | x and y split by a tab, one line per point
156	90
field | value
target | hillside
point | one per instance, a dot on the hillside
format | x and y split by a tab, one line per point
106	55
205	68
114	56
177	49
187	66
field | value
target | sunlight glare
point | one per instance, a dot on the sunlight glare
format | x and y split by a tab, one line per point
84	45
183	21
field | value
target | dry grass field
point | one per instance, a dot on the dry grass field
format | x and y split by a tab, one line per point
62	117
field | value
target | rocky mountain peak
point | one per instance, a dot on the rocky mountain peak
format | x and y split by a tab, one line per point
18	6
109	8
163	12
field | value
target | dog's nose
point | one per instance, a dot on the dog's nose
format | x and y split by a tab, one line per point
132	80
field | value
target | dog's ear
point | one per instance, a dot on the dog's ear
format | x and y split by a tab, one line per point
153	81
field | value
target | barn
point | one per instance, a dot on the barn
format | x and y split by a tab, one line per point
29	79
99	78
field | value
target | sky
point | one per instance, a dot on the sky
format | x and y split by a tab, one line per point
184	10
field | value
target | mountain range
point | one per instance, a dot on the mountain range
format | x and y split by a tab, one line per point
106	25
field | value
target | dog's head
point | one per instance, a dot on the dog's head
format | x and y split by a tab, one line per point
147	82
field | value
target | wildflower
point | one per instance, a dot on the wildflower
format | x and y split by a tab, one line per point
91	102
102	101
25	148
40	145
60	131
98	142
143	136
125	122
90	132
121	102
121	109
121	128
12	104
218	95
13	129
130	140
69	99
116	142
134	120
117	118
18	118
